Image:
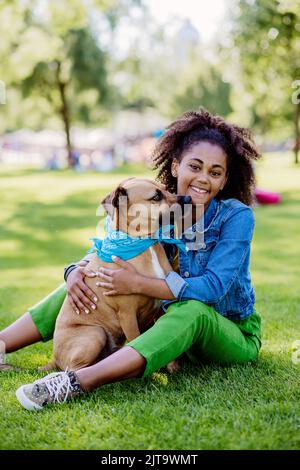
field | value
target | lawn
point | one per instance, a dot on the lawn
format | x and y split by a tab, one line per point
46	221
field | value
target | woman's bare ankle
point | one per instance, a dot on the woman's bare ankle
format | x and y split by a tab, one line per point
124	364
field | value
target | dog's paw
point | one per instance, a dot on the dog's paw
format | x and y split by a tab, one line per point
173	367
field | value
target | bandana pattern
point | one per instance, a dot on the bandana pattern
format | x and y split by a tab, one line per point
124	246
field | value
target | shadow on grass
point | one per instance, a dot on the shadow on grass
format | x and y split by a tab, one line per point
41	233
41	237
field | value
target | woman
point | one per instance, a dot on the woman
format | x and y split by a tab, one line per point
209	305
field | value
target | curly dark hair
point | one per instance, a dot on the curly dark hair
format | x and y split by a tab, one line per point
196	126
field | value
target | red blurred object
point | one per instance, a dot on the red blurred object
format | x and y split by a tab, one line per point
267	197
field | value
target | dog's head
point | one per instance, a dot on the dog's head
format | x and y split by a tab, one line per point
138	206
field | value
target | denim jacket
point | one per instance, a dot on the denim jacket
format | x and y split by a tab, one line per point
217	273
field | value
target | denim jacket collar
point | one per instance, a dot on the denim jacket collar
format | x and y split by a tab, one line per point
209	216
210	213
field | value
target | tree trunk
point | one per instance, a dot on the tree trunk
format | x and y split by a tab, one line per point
65	113
297	132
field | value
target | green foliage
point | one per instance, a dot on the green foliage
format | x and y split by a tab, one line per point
172	76
88	61
203	87
47	219
64	60
266	41
76	62
57	56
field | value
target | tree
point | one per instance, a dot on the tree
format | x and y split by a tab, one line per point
166	70
203	86
56	53
76	66
266	40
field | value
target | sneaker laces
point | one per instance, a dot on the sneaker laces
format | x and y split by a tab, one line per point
47	377
57	383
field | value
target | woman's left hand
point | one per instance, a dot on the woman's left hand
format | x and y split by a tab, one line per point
118	281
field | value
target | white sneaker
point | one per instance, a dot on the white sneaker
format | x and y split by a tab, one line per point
53	388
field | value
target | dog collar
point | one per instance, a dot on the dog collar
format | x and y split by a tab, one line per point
119	243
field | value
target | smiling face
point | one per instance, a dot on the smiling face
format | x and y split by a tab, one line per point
201	172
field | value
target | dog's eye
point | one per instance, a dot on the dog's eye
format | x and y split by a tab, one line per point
158	197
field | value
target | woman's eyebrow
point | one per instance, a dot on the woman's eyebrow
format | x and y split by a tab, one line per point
213	166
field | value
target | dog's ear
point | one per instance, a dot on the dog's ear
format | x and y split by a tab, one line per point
107	204
120	191
111	203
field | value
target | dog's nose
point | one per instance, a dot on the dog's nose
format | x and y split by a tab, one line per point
184	200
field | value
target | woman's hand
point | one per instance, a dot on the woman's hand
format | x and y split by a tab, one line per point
81	297
119	281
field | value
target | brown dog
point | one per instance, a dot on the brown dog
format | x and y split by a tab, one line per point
82	340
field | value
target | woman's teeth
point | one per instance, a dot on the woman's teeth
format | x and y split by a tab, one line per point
198	190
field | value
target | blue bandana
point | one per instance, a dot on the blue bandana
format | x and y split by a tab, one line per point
124	246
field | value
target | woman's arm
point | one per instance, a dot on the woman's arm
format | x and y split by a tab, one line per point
127	280
153	287
224	265
81	297
68	269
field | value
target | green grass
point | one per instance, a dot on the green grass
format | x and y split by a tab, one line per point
46	221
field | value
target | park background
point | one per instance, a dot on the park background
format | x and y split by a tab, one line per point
86	89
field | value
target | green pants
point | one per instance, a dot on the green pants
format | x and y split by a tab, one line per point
44	313
190	326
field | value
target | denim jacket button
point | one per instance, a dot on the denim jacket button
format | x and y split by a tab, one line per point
203	246
186	274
